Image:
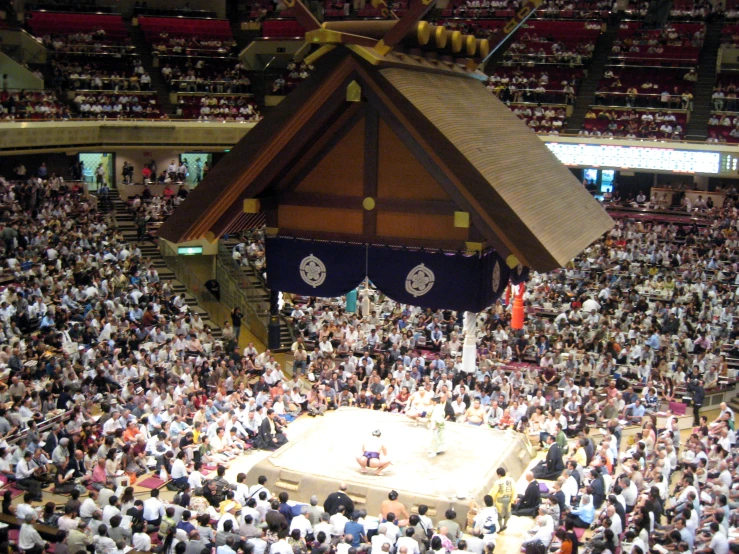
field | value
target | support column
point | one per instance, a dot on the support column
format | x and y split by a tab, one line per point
273	329
469	348
366	302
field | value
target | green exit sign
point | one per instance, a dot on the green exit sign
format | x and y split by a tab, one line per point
189	250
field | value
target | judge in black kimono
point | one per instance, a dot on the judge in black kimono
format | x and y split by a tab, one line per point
528	504
553	465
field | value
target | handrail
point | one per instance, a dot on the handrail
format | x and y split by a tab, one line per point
177	14
227	57
215	94
617	108
235	290
97	10
251	292
230	267
101	121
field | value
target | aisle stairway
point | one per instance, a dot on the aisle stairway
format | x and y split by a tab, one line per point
596	69
150	253
696	128
143	48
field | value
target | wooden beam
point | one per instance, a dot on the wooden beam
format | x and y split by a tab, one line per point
328	36
398	205
379	240
403	205
371	161
271	163
406	121
304	16
395	35
228	182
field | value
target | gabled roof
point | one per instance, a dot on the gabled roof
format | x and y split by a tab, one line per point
521	190
519	197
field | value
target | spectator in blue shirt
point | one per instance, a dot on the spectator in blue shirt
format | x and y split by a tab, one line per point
634	411
285	508
355	529
583	515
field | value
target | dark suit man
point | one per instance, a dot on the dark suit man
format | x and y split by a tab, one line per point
528	504
270	432
552	466
274	519
337	499
78	465
449	410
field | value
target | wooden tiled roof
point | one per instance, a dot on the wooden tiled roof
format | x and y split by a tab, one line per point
534	200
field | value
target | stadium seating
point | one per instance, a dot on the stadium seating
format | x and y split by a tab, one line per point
45	23
31	105
282	28
644	87
219	107
677	45
548	119
635	123
117	105
294	74
153	27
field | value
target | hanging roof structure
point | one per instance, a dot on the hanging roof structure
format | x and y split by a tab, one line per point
402	150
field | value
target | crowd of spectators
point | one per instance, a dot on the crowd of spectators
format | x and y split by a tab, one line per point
544	68
31	104
676	43
87	44
116	106
666	88
295	72
691	10
641	319
732	10
545	85
547	120
192	46
534	48
202	75
218	107
634	123
75	75
489	29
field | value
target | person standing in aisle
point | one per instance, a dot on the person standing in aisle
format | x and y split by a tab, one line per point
236	317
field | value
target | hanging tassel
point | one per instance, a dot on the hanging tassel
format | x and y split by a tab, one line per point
517	312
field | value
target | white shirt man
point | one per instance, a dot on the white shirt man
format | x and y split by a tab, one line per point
141	542
259	545
178	469
379	540
108	512
88	508
410	544
153	509
281	547
29	538
301	523
338	521
486	520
